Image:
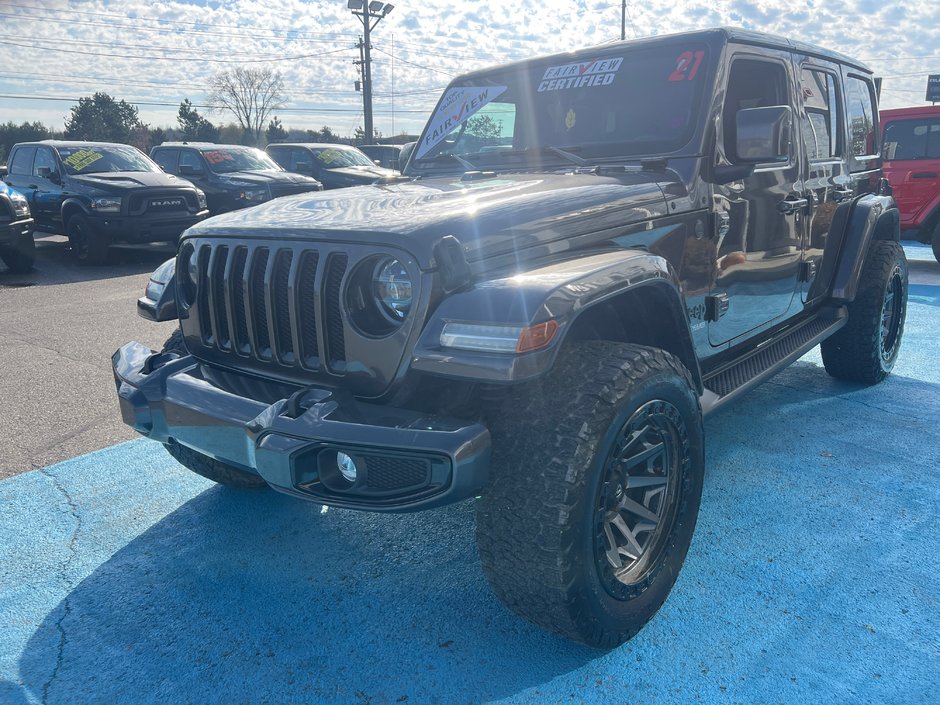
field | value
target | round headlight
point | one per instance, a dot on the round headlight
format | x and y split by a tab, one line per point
392	287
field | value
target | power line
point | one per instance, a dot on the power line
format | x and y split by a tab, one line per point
200	105
411	63
172	58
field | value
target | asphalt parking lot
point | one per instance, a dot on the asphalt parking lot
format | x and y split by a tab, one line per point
126	579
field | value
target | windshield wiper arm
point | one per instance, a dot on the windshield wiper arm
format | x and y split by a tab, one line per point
573	158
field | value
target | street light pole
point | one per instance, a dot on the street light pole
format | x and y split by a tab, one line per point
623	19
368	11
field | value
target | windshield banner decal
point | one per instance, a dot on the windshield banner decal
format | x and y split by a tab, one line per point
457	106
217	157
82	159
597	72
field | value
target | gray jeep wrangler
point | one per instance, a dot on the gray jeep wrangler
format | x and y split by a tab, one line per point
589	252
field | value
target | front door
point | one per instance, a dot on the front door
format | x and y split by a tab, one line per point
48	196
760	215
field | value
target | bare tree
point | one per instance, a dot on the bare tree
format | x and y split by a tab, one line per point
249	94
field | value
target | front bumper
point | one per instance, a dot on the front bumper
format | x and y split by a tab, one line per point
145	227
408	461
12	232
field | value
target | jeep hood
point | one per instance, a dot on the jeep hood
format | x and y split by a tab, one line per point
490	217
358	174
121	181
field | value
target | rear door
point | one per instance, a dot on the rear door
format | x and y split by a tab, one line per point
49	193
822	149
912	165
20	173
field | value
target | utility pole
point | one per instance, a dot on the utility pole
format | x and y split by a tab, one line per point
368	11
623	19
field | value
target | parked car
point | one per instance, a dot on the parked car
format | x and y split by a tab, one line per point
100	193
16	231
385	155
335	165
406	151
231	176
912	165
542	328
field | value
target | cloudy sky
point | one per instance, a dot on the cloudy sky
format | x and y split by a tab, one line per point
154	53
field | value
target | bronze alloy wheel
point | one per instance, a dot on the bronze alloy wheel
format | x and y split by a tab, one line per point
636	503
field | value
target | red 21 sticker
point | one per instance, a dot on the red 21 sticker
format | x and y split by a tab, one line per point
686	61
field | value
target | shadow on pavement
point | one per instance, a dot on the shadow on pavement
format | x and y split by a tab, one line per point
813	571
55	264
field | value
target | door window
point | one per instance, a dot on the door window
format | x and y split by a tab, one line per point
861	118
913	139
22	162
45	159
166	159
752	84
301	156
189	158
820	121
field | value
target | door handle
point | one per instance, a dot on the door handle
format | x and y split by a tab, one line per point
791	206
32	186
841	194
924	175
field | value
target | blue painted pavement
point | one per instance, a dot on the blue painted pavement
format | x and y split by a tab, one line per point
812	577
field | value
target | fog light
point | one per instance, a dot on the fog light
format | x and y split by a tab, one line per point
347	466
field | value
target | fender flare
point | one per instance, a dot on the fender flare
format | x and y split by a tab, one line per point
560	291
70	205
159	301
872	217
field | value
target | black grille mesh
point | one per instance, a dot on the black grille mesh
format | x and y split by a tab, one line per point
285	343
258	305
385	473
238	299
306	291
336	267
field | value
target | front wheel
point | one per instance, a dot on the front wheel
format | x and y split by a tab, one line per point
88	246
595	488
866	347
20	255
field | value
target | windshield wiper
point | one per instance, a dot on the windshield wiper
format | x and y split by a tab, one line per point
460	160
573	158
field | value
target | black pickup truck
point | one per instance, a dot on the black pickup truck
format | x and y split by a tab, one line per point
99	193
594	250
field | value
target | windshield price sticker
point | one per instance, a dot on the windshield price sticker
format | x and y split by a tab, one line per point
328	156
218	157
82	159
598	72
457	106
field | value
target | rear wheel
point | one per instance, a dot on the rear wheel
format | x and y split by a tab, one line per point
595	487
88	246
866	348
20	255
209	468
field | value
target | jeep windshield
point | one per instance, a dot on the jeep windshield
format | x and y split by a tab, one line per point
618	103
98	159
225	160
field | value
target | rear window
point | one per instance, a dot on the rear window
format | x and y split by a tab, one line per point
861	117
912	139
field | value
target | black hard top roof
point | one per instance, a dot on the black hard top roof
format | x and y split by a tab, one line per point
74	143
718	35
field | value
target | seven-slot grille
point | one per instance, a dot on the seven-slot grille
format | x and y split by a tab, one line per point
263	302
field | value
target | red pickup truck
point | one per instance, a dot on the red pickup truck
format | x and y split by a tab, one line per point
911	138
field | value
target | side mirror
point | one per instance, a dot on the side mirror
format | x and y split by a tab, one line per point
3	171
45	172
189	170
304	167
763	134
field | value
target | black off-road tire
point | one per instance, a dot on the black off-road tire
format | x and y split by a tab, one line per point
20	255
866	348
88	246
209	468
538	530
